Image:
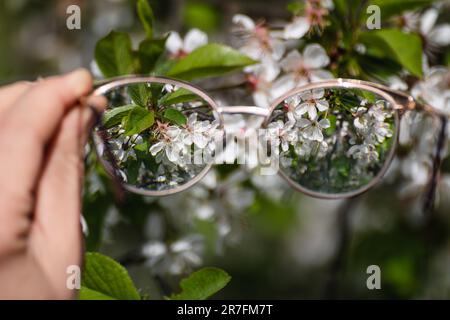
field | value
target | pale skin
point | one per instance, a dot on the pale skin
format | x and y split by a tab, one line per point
43	130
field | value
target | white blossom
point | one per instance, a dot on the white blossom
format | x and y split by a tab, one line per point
261	81
297	28
173	258
315	12
196	132
259	41
312	129
302	68
370	123
179	47
170	143
365	153
307	147
438	35
435	88
283	134
313	103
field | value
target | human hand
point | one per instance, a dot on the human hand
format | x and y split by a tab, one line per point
43	130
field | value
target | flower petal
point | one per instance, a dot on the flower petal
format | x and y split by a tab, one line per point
157	147
312	111
291	120
194	39
317	134
303	123
192	119
291	61
441	35
301	109
174	42
268	70
293	101
282	85
261	99
324	123
244	21
278	49
322	105
172	154
319	75
318	93
200	140
306	95
173	131
428	20
315	56
297	29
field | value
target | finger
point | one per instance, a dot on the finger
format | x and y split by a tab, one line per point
48	100
56	233
26	130
55	237
10	93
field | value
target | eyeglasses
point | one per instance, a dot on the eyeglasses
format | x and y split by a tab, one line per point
334	139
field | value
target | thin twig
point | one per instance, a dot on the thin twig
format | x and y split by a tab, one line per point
343	240
430	195
429	228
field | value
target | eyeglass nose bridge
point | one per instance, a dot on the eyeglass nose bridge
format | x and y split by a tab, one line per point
250	110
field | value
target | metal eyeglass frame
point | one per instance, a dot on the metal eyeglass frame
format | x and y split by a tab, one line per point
400	101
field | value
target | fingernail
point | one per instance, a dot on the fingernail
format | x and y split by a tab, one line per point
98	103
80	81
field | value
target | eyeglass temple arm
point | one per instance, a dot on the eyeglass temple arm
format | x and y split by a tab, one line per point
404	100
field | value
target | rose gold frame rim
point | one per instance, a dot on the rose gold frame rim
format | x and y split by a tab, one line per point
341	83
123	81
381	90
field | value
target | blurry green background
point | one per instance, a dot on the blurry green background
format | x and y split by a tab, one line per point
289	246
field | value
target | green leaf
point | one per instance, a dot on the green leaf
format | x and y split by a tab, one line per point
295	8
156	91
103	276
137	120
150	51
163	66
447	59
202	284
132	170
402	47
146	16
179	96
332	129
114	54
374	66
89	294
139	93
143	147
96	206
209	60
114	116
389	8
175	116
201	15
